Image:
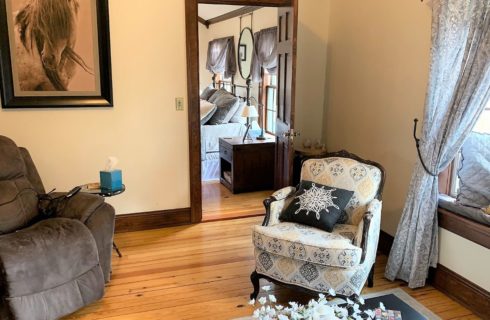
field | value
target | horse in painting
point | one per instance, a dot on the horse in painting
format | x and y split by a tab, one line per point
45	36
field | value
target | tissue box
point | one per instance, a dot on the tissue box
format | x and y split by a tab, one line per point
111	180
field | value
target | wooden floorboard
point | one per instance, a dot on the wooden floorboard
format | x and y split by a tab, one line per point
202	272
219	203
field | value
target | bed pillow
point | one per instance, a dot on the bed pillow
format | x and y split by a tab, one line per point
317	205
207	109
217	94
237	117
226	105
474	173
207	93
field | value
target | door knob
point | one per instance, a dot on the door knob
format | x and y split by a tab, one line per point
291	134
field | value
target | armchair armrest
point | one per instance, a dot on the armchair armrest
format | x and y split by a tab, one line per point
81	206
368	230
275	204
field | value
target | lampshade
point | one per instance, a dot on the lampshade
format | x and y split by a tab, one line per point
250	112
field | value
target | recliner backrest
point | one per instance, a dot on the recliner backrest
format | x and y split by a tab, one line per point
18	197
364	179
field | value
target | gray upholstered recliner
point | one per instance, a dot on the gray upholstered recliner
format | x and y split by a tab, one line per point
52	267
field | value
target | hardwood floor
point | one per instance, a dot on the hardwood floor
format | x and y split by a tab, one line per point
202	272
218	203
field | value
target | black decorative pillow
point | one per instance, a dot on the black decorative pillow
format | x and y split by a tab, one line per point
317	205
207	93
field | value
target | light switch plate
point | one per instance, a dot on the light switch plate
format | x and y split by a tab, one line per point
179	104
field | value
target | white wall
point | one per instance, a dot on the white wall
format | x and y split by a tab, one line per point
143	129
378	68
378	61
464	257
313	29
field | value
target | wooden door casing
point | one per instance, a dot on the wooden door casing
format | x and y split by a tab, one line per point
286	71
192	46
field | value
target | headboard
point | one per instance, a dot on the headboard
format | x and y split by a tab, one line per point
233	88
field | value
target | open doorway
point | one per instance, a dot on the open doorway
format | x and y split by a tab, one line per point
241	69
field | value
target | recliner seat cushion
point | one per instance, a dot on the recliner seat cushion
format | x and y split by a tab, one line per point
46	255
61	300
305	243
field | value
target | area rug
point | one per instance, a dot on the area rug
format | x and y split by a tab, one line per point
394	299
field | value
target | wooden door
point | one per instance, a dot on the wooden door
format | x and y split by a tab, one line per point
286	51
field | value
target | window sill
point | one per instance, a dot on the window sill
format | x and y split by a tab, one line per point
464	227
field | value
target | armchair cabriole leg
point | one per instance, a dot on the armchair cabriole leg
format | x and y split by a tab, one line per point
254	277
371	277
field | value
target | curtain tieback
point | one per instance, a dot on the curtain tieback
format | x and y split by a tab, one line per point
417	143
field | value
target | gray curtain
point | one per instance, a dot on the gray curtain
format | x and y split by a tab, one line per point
458	90
222	57
265	53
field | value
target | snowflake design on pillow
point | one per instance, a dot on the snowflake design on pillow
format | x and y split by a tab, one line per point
316	200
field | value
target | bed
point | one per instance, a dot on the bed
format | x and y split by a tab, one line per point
228	124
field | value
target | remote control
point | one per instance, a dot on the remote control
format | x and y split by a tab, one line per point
73	192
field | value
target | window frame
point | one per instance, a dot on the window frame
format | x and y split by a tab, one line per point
264	95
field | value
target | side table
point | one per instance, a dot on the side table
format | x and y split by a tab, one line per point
106	194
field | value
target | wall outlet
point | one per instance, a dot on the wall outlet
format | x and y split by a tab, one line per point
179	104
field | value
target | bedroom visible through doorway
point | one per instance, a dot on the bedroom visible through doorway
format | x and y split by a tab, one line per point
238	85
241	71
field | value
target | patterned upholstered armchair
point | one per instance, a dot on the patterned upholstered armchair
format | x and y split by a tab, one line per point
314	260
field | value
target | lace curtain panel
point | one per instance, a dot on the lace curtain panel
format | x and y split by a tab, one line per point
458	89
265	53
222	57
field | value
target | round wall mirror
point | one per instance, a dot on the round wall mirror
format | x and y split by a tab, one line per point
245	49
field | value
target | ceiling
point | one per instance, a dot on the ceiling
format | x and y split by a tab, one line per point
210	11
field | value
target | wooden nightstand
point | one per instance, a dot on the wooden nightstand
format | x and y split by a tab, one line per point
247	166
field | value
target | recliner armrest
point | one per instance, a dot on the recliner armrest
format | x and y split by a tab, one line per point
81	206
275	204
99	217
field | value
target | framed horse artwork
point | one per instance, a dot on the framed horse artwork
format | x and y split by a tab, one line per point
55	54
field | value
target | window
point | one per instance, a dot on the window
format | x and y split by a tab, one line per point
450	180
269	100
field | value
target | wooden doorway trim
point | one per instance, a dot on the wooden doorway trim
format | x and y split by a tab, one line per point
192	47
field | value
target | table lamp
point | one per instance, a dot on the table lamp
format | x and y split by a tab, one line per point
262	125
249	112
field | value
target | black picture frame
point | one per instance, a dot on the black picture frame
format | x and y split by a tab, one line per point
104	99
242	52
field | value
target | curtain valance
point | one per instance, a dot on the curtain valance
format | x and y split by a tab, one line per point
265	53
222	56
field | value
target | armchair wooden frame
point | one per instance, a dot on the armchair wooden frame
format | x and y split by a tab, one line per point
255	276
